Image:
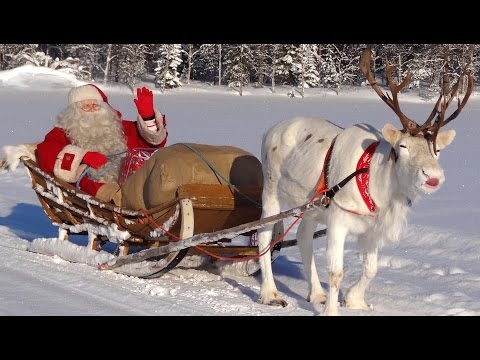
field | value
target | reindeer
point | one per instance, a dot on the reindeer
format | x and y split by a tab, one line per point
307	158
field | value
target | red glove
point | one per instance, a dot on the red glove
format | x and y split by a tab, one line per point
94	159
144	103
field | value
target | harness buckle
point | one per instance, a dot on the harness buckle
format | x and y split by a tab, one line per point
325	200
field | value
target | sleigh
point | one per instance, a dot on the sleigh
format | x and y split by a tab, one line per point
203	219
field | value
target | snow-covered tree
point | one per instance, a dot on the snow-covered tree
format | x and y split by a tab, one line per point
274	57
287	62
219	58
87	57
30	55
464	57
419	60
14	55
18	55
400	56
72	66
93	59
105	65
340	65
260	65
166	72
264	59
238	62
191	52
306	69
207	62
131	63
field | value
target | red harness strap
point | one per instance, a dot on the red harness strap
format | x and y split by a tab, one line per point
322	182
361	174
362	179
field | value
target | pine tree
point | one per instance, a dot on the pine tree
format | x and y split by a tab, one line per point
306	70
286	64
166	72
14	55
191	51
206	65
238	62
131	64
340	65
87	56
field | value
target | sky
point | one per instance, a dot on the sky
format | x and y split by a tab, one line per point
434	270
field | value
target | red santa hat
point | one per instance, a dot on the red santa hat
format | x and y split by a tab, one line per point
86	92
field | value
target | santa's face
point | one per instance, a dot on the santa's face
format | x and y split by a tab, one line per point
93	114
89	105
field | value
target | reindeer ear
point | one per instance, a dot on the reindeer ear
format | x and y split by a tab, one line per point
444	138
391	133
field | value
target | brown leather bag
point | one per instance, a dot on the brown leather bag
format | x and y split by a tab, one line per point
157	180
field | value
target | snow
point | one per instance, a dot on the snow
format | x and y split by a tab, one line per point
35	76
433	270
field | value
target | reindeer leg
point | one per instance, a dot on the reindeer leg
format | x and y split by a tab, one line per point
305	232
355	297
269	294
335	246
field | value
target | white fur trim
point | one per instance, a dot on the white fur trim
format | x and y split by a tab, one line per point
13	153
153	137
75	168
83	92
151	125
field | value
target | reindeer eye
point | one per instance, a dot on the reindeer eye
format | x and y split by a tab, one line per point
403	146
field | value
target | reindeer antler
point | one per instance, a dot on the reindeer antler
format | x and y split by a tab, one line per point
392	102
429	131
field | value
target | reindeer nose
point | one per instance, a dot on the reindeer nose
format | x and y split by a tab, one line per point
432	182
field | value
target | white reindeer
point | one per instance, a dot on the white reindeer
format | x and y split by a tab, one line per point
398	166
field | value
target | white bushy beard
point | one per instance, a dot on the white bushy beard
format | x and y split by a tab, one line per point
99	131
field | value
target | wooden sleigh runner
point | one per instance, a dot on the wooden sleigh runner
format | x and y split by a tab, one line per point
203	218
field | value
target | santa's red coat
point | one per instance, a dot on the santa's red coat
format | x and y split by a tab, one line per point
50	157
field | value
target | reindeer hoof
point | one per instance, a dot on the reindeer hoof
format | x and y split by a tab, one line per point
272	298
278	302
317	299
275	302
362	305
331	312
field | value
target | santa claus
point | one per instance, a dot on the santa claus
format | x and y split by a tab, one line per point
89	141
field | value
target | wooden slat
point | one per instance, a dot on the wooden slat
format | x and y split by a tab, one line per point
219	197
48	210
142	227
227	250
208	220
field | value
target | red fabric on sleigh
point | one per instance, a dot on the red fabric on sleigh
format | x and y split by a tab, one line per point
133	161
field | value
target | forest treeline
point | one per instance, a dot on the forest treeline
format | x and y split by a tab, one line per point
238	65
